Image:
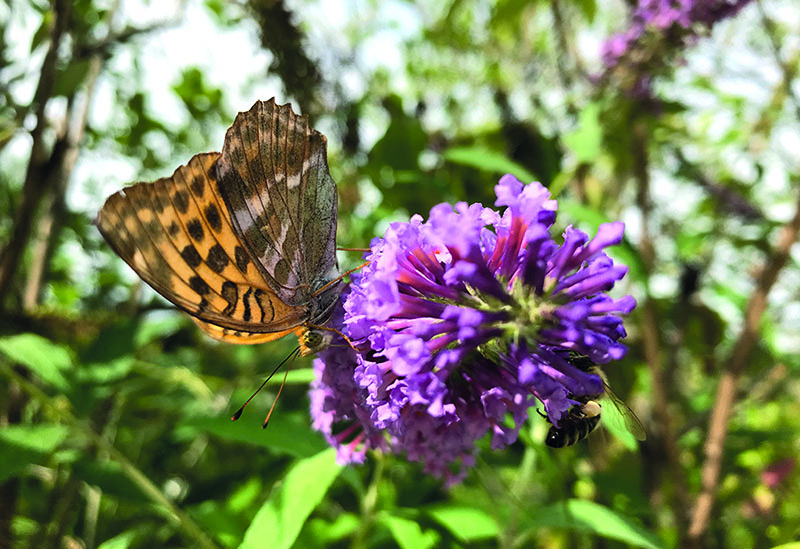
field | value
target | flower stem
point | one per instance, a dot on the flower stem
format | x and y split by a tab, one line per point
369	503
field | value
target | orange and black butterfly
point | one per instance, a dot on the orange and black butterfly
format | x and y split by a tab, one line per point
243	240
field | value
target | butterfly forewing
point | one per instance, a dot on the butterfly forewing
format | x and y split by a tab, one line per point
177	235
274	179
147	229
243	240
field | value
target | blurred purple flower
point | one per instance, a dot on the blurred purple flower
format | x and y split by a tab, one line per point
659	27
777	472
464	322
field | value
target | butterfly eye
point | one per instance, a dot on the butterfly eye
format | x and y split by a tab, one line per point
313	341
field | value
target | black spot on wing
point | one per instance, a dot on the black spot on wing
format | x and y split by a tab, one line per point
213	218
190	256
199	285
198	186
230	293
282	271
181	201
242	259
154	228
217	259
246	316
195	229
158	202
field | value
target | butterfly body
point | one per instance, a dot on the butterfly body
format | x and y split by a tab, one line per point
242	240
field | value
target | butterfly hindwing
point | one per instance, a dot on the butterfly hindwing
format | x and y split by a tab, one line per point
235	336
273	176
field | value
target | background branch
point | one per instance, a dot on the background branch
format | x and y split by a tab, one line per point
736	364
51	221
36	180
651	335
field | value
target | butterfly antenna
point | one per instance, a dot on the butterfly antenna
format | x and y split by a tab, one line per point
280	390
334	330
238	414
338	278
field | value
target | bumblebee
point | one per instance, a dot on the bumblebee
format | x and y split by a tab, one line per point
582	419
579	422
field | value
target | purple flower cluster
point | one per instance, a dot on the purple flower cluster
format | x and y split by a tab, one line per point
336	404
661	25
465	321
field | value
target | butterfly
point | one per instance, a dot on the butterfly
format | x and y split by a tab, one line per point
243	240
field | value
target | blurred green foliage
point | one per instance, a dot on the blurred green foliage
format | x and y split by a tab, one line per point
114	409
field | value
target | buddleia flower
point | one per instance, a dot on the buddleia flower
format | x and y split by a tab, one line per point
336	401
466	320
659	30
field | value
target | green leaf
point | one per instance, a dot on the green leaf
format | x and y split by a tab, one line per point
42	356
245	495
122	541
588	9
217	8
408	534
279	521
587	516
44	438
22	445
113	341
488	160
106	372
403	141
110	478
288	434
465	523
318	532
227	525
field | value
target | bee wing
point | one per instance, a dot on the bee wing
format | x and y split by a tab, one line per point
632	423
599	445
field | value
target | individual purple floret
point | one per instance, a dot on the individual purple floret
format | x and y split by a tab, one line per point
465	321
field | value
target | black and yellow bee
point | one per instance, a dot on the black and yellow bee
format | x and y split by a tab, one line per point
582	419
